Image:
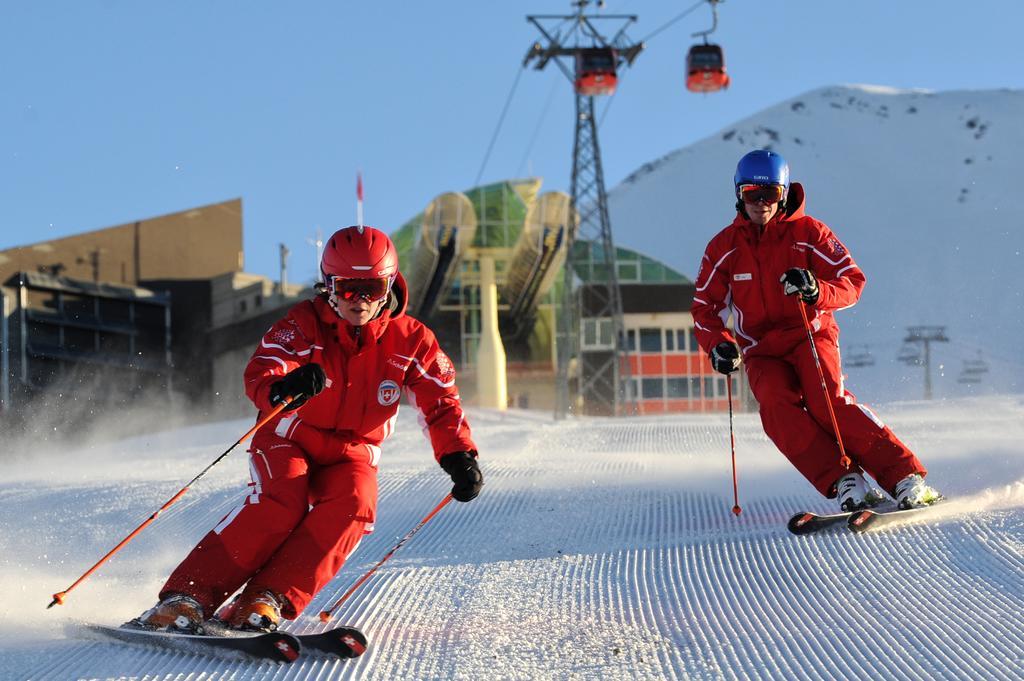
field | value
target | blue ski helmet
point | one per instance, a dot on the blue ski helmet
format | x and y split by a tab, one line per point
761	167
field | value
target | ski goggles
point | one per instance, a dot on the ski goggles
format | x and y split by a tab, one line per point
761	193
370	290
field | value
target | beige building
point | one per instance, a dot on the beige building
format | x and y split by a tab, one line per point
193	244
73	309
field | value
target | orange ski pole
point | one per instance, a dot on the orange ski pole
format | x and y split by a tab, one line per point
844	460
326	615
58	598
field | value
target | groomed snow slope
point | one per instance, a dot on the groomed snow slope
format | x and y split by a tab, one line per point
599	549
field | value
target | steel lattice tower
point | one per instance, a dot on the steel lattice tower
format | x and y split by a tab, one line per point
602	379
604	384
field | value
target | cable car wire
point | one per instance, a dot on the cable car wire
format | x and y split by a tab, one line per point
497	129
540	123
647	38
608	104
519	72
672	21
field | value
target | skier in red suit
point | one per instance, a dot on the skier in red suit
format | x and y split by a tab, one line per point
772	258
345	357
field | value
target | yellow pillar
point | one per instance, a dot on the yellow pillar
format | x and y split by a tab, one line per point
490	357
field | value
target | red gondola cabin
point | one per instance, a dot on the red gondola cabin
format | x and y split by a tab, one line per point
705	69
595	71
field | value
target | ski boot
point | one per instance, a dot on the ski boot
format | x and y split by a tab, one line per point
853	494
252	611
176	613
913	492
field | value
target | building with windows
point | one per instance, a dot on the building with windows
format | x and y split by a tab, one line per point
158	306
669	372
172	288
64	337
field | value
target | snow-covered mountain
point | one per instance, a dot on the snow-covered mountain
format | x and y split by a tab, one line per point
921	187
598	549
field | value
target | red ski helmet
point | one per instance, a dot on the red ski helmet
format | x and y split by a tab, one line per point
358	262
359	253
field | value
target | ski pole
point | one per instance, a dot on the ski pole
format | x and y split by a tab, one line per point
844	460
326	615
732	440
58	598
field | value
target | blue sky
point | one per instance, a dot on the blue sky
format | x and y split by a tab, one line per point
115	111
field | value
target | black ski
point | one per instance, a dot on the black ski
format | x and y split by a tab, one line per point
806	522
868	520
277	645
345	642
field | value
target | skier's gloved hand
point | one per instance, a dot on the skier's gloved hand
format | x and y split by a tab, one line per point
302	383
725	357
797	280
466	475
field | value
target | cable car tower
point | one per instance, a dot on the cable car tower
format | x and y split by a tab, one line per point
601	379
917	350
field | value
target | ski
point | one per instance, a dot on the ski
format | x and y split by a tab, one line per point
277	645
868	520
344	642
806	522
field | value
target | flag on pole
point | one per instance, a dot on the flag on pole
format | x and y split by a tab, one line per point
359	199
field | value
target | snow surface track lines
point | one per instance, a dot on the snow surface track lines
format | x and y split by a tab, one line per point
607	549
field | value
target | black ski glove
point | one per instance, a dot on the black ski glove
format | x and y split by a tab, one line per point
301	384
725	357
466	475
800	281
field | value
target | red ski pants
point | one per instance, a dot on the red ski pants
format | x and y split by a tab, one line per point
795	416
290	534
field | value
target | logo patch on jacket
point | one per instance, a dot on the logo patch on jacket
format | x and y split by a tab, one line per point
445	370
744	276
837	248
388	393
282	336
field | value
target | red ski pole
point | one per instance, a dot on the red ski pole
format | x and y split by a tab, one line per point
844	460
326	615
58	598
732	440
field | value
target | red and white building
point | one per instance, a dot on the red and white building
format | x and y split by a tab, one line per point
670	373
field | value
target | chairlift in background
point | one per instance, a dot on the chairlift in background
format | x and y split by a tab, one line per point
595	71
973	370
859	356
705	63
910	353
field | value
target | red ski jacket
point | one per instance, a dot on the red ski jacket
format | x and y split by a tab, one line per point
740	273
367	370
